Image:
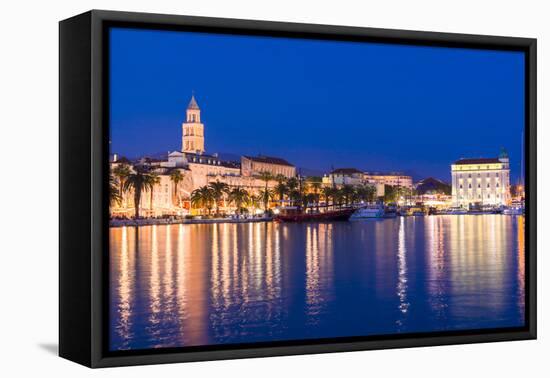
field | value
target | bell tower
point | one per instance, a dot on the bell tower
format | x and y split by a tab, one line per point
192	129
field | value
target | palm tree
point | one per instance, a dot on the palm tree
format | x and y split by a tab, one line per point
121	172
155	180
176	177
202	197
328	193
348	193
370	193
138	182
281	189
266	177
218	190
315	183
255	200
114	196
265	196
240	196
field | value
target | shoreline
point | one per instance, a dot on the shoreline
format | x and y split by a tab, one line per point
152	222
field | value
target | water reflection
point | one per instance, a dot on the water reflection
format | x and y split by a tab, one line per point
402	274
184	285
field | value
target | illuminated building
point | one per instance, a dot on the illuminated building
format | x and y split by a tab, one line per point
254	165
484	181
192	129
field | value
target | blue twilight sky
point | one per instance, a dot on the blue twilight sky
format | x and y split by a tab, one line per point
317	103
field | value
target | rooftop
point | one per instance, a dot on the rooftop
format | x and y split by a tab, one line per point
477	161
193	103
345	171
269	160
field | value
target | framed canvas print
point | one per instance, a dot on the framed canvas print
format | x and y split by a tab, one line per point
234	188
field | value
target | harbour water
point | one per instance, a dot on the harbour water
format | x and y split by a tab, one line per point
204	284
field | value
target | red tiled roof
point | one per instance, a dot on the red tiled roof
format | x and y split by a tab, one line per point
269	160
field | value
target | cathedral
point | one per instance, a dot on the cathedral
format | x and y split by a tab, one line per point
198	168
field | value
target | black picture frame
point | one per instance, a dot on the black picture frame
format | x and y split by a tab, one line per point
83	164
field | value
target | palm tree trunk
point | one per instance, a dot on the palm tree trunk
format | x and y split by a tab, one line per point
266	199
136	204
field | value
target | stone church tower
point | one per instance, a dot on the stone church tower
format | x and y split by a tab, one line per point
192	140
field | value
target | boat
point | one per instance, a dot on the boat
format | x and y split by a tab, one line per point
369	211
417	212
296	214
390	211
513	210
457	211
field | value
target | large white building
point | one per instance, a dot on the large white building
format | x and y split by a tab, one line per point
484	181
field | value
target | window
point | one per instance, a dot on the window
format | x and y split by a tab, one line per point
469	186
479	185
460	186
488	185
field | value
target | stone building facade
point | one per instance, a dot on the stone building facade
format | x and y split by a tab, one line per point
484	181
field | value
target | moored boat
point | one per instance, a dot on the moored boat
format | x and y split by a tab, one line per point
369	211
457	211
513	210
296	214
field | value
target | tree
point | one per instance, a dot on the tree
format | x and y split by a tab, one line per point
218	190
281	190
266	177
138	182
328	193
348	194
390	193
176	177
114	196
155	180
121	172
265	196
315	183
240	197
366	193
202	197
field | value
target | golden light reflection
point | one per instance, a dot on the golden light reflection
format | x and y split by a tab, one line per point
437	265
521	264
402	272
319	269
125	285
154	285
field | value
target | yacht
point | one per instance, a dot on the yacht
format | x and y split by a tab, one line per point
369	211
457	211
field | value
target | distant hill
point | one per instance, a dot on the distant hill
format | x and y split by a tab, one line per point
432	185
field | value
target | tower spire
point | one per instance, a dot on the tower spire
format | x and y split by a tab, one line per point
192	129
193	103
